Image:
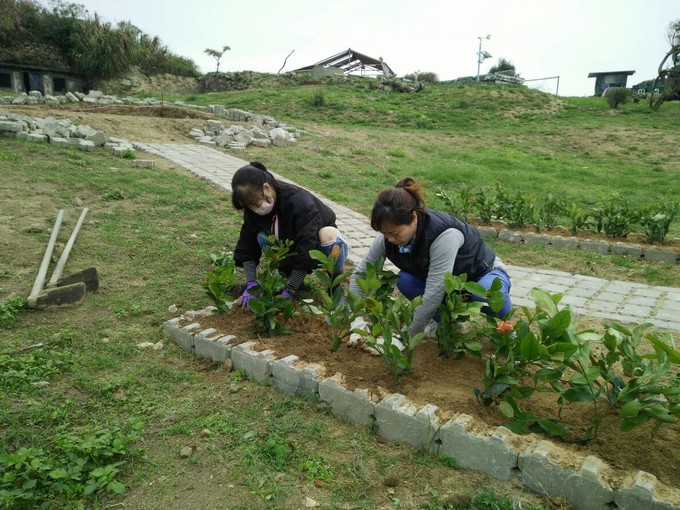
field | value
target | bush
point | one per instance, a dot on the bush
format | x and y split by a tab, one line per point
318	99
425	77
616	96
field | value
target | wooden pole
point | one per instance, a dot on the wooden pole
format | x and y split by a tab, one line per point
42	272
67	250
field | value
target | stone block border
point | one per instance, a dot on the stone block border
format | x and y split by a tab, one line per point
652	253
538	465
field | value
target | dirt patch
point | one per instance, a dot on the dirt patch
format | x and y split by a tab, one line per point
449	383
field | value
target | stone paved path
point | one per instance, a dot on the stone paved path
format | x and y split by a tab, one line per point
620	301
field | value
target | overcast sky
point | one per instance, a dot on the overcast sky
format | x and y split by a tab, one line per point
543	38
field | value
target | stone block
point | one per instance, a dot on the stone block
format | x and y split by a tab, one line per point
35	137
626	250
656	254
567	242
58	141
12	127
84	145
182	336
642	494
257	364
22	135
488	232
142	163
601	247
584	489
510	236
353	406
296	380
216	347
496	454
398	419
533	239
261	142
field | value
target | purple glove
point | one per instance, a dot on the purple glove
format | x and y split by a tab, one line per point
286	294
247	296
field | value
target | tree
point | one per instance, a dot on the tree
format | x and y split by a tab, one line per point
504	66
670	76
217	55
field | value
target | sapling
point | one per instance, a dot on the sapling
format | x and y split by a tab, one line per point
221	280
272	310
458	307
338	307
389	336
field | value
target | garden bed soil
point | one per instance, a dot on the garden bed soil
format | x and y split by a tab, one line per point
449	383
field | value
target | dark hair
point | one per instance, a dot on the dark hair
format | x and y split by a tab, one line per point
248	181
397	205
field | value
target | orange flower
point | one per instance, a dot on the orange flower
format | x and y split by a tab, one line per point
505	327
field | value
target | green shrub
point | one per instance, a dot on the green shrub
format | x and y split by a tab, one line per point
317	99
616	96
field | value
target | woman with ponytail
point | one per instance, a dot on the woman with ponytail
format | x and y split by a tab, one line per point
288	212
426	245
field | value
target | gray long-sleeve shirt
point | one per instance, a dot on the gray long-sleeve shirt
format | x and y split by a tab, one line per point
443	252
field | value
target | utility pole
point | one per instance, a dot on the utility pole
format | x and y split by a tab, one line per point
481	55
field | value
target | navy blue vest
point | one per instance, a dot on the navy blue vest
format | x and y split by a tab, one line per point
475	258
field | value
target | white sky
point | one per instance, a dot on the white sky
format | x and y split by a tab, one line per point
543	38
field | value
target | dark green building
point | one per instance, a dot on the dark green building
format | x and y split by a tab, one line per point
609	79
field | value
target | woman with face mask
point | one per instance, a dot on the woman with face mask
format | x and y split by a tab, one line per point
426	245
288	212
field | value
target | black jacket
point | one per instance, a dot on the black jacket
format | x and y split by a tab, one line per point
301	215
475	257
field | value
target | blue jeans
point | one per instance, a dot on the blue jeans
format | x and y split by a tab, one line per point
325	248
411	286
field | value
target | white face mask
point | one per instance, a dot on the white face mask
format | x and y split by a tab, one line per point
265	208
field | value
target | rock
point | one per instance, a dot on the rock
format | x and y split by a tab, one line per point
186	452
145	345
391	479
172	309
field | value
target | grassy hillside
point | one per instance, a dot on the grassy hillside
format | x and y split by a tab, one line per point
362	138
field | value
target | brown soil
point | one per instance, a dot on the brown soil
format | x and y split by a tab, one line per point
448	383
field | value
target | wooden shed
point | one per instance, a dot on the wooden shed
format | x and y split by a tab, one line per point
609	79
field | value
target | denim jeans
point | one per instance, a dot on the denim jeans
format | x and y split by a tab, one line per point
325	248
411	286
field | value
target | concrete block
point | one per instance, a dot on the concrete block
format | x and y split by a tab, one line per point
398	419
216	347
261	142
22	135
488	232
533	239
142	163
35	137
257	364
182	336
13	127
496	454
84	145
58	141
564	242
353	406
296	380
655	254
509	235
585	489
601	247
642	494
626	250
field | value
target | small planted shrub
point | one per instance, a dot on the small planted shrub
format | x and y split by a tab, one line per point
272	310
656	221
221	280
616	96
317	99
338	307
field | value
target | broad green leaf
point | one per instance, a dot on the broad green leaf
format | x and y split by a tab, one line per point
475	289
658	411
592	373
631	409
506	409
473	346
672	354
579	395
544	301
552	427
529	348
